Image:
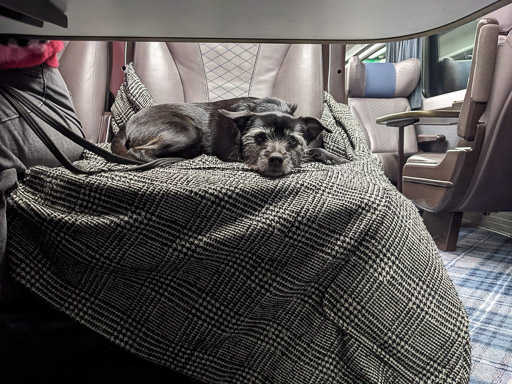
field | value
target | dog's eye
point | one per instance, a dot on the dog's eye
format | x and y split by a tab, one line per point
260	138
292	142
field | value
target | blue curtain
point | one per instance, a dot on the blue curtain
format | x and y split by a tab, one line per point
402	50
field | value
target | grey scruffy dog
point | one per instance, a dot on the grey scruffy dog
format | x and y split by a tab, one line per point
262	132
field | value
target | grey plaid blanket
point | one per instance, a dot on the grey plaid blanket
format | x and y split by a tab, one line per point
324	276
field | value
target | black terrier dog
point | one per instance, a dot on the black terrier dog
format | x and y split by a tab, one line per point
262	132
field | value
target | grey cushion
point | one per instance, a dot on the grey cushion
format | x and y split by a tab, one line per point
131	98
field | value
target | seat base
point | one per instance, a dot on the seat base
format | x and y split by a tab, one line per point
444	228
390	162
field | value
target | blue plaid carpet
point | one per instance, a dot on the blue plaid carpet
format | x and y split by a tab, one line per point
481	270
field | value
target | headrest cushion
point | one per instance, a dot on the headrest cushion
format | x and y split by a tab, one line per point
504	17
382	80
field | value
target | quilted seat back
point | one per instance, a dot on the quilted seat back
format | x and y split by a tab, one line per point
199	72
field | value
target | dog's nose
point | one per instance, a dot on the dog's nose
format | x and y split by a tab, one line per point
275	160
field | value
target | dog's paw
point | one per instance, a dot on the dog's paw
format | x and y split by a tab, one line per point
323	156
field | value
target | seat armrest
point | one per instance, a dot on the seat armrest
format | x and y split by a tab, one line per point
457	105
433	117
105	131
403	119
424	138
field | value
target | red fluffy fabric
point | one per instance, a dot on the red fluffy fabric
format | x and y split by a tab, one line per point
35	53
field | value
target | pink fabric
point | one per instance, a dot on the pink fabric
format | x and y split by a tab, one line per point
35	53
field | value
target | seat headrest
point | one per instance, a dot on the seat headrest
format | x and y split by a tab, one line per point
198	72
454	74
504	17
382	80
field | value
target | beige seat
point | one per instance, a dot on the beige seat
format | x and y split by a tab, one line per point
198	72
476	176
84	65
378	89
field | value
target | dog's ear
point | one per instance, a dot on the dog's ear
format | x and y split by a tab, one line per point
313	128
293	108
239	118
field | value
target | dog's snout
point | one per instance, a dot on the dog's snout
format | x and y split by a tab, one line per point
275	160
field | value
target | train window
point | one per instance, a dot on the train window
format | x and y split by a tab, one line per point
448	60
355	50
377	57
368	53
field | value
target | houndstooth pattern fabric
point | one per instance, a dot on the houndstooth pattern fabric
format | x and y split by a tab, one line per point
327	275
348	139
228	68
131	97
